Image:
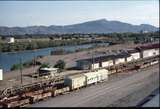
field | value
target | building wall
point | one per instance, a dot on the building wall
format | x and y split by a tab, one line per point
119	60
10	40
1	74
83	65
150	53
129	59
95	65
135	56
107	63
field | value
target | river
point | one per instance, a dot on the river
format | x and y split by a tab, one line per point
7	60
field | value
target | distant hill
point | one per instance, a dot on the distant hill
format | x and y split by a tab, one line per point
97	26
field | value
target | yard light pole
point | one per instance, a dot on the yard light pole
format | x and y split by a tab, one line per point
21	70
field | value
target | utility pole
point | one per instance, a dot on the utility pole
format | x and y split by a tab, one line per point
21	70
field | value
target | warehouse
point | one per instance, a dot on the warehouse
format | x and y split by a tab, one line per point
149	51
135	54
96	62
121	58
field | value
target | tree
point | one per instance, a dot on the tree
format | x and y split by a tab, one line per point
60	64
45	65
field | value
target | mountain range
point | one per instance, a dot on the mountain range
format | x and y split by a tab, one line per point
96	26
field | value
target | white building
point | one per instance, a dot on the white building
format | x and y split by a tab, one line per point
134	55
48	71
10	40
1	74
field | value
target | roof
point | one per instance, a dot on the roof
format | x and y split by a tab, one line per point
132	51
150	46
75	76
105	58
49	69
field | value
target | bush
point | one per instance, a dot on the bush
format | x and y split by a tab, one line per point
60	64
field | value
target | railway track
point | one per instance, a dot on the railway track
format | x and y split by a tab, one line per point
52	81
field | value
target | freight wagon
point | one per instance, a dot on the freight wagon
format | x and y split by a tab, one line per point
40	96
75	81
60	89
16	103
80	80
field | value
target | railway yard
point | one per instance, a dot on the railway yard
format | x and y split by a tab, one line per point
121	90
121	79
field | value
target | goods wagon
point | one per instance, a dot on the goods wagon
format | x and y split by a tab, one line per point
16	103
75	81
41	96
60	89
96	76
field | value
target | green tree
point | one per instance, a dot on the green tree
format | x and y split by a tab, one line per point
60	64
45	65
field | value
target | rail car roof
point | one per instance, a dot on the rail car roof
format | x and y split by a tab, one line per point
105	58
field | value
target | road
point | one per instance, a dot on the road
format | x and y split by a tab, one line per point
110	93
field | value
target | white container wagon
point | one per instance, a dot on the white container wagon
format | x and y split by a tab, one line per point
96	76
75	81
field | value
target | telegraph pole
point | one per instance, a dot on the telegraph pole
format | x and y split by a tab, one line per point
21	70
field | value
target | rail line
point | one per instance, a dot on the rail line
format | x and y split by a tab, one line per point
133	65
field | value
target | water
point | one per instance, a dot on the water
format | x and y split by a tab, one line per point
9	59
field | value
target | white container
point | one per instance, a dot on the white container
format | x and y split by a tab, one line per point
75	81
1	74
96	76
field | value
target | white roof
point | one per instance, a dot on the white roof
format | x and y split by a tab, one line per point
49	69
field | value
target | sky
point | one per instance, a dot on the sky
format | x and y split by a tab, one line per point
35	13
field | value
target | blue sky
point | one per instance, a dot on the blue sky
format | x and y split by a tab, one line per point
29	13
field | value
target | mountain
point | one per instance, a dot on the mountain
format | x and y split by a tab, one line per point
97	26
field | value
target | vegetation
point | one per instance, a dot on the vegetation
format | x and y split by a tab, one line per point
24	65
45	65
60	64
32	42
